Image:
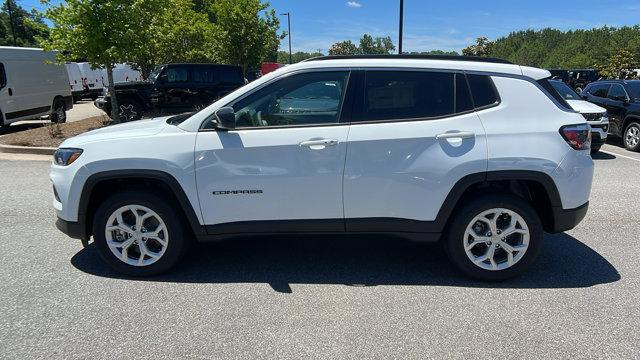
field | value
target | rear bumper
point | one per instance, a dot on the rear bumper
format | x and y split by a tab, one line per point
75	230
567	219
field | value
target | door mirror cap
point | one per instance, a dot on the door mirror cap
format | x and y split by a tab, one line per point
225	118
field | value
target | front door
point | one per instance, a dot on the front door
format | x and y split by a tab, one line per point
281	169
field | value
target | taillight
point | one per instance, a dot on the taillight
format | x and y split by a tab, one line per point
577	136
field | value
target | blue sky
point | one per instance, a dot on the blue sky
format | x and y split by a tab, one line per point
445	25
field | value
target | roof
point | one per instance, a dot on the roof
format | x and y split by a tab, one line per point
412	56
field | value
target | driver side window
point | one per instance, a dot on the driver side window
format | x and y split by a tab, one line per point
300	99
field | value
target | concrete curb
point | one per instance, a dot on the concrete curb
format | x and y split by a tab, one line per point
32	150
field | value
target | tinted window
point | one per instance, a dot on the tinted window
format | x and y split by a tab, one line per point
634	89
617	92
204	74
231	75
303	99
599	90
463	97
177	74
564	90
483	91
391	95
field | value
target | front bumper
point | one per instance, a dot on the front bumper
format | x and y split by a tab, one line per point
103	104
75	230
567	219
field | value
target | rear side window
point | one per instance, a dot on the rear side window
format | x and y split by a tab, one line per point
204	74
231	75
398	95
554	93
617	92
599	90
483	91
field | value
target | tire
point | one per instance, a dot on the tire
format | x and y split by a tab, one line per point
458	235
164	256
579	90
58	111
130	110
631	136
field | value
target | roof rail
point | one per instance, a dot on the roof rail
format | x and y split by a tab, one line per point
411	56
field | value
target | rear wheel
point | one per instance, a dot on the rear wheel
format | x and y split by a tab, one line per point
631	137
58	111
494	237
138	234
129	110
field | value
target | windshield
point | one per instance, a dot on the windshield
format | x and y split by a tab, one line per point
634	90
565	91
153	76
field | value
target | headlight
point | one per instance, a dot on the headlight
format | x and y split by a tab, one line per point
65	157
605	117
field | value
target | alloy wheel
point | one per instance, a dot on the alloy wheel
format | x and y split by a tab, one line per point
128	112
136	235
632	137
496	239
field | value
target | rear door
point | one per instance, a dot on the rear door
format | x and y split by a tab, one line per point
282	168
616	105
413	136
175	87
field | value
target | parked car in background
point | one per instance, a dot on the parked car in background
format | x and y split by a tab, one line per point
32	85
621	98
596	116
579	78
84	81
121	73
559	74
173	88
424	148
267	67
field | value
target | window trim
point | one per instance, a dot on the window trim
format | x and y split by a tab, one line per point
3	74
349	72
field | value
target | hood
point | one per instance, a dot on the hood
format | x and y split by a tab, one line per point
585	107
121	131
133	85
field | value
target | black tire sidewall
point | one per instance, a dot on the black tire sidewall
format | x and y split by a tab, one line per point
624	137
454	241
175	227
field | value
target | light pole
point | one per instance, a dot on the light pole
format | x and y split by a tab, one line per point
289	33
400	32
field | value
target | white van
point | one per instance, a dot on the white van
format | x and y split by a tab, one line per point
92	80
75	80
121	73
32	85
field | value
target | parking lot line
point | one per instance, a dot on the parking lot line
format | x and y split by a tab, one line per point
616	154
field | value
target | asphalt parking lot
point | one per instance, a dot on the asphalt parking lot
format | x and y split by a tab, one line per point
331	298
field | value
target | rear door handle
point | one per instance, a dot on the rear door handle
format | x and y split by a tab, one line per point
456	135
319	144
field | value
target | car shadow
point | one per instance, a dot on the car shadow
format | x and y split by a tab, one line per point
564	262
602	156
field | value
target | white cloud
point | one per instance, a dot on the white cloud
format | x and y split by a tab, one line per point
354	4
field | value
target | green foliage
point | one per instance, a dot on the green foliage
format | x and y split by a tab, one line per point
551	48
344	48
619	65
244	36
28	26
482	47
283	56
368	46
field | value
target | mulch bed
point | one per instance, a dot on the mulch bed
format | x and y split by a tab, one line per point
52	135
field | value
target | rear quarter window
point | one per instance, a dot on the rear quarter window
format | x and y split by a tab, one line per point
483	91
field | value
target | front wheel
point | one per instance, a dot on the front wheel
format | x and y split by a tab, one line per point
631	137
138	234
494	237
129	110
58	111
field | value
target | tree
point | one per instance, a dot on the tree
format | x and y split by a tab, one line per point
378	45
101	31
619	65
246	32
27	27
283	56
482	47
344	48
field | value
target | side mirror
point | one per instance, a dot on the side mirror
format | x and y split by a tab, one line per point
225	118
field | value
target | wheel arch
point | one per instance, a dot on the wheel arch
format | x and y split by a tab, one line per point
94	191
536	187
629	118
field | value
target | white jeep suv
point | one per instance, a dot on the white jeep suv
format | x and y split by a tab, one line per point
481	154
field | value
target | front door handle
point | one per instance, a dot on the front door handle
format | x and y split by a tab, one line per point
319	144
456	135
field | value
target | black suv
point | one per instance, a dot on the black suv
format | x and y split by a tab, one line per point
621	98
173	88
578	79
